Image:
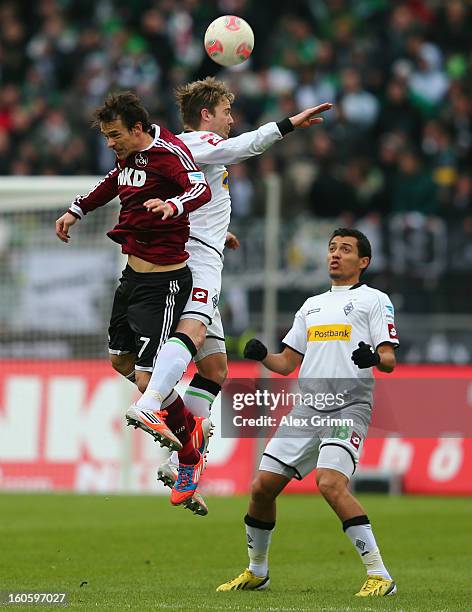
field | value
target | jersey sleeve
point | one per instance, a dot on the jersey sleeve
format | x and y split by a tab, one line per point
179	166
210	148
296	337
382	322
103	192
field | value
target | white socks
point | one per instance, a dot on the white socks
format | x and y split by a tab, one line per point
259	535
169	367
200	395
359	531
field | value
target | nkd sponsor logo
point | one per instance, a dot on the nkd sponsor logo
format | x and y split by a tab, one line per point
323	333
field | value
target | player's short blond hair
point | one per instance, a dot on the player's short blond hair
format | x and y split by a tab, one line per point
192	98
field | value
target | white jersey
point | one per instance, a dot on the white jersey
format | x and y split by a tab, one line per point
212	153
328	328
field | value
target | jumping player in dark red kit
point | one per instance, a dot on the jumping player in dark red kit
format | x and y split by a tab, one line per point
152	164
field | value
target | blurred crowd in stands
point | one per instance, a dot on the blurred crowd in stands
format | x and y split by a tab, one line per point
399	73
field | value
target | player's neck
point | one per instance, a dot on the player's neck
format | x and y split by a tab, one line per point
145	140
344	284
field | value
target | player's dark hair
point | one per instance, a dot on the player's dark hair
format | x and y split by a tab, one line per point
363	245
125	106
192	98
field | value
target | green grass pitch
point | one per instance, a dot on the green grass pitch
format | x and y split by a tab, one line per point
139	553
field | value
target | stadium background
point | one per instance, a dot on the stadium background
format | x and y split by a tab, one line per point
393	158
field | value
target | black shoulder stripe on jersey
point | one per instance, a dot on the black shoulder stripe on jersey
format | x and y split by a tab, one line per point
294	350
341	446
215	337
355	286
298	476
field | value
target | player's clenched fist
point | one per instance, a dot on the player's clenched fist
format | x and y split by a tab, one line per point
255	349
158	206
365	356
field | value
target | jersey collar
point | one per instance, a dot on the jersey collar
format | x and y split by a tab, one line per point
336	288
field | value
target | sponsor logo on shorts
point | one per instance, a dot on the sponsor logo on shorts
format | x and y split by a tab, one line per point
196	177
199	295
355	440
348	308
214	300
392	331
313	311
324	333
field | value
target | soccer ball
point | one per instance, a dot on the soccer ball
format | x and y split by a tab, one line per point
229	40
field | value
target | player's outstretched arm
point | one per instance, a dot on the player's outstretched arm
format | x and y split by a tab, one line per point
63	224
282	363
309	116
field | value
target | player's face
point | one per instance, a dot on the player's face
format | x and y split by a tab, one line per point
344	263
119	138
220	121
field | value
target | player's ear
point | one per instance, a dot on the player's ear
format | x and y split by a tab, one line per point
205	114
364	263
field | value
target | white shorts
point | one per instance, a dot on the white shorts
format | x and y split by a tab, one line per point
293	455
206	266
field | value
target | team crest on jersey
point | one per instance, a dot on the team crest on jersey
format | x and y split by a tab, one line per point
348	308
141	160
199	295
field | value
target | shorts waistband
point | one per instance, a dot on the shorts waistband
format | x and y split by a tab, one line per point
152	277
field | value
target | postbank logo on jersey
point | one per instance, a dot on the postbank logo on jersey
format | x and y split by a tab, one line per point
326	333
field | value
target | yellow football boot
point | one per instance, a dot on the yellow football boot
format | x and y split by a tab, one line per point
245	582
377	586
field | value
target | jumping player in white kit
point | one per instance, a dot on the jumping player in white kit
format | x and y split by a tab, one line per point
205	108
337	338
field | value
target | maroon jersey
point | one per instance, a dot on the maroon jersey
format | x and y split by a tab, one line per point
165	170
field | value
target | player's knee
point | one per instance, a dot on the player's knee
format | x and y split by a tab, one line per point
123	364
262	492
194	329
331	483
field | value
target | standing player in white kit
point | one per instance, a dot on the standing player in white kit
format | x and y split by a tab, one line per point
337	338
205	108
